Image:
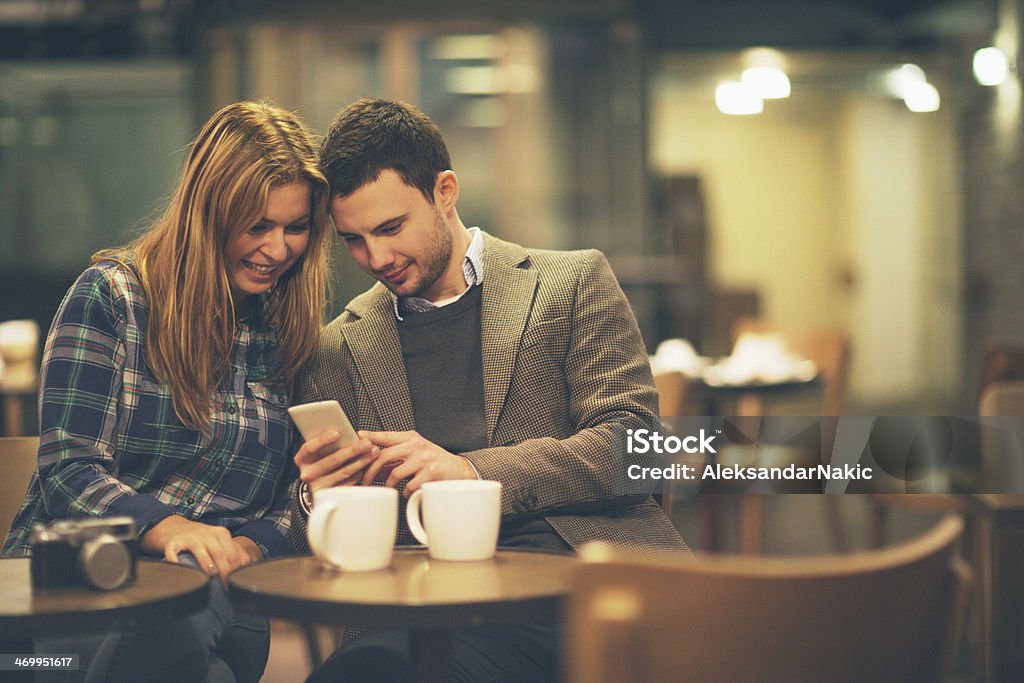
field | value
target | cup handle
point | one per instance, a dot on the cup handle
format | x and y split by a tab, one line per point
316	528
412	516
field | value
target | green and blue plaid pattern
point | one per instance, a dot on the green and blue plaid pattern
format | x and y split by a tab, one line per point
111	444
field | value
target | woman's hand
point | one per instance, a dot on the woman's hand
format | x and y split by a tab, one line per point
250	548
213	546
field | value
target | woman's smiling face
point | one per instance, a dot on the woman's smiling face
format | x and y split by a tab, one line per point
261	254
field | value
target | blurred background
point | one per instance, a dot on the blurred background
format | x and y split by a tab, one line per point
876	191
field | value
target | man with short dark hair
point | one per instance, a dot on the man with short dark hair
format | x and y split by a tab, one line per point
474	358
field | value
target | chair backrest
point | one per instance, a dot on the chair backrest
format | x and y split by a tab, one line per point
1001	361
881	615
828	347
1002	398
672	393
1002	437
17	462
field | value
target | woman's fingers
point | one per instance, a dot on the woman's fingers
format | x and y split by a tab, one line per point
215	550
210	545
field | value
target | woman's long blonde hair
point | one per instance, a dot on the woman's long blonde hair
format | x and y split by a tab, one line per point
242	152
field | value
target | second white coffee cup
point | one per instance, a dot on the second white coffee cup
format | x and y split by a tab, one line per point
353	527
456	519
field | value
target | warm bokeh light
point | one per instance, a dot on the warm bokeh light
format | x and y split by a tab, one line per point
921	97
903	78
991	67
768	82
909	83
467	47
738	99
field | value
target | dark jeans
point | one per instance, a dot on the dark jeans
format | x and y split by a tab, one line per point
215	644
512	653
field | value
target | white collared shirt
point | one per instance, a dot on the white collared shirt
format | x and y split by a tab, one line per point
472	270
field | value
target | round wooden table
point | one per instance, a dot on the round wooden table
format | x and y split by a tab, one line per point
161	592
430	597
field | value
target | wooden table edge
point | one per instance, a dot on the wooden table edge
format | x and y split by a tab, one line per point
167	608
313	610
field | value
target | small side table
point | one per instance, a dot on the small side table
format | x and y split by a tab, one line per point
430	597
162	592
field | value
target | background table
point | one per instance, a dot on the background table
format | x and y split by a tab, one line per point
736	401
161	592
430	597
717	400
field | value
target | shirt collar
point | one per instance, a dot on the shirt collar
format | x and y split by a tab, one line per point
472	270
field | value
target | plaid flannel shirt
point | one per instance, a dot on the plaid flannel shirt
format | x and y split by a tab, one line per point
111	444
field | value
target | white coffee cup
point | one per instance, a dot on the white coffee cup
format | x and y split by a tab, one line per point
353	527
460	518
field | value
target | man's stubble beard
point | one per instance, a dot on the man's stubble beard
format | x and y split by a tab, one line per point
438	256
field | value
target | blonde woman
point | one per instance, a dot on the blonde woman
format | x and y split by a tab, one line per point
166	377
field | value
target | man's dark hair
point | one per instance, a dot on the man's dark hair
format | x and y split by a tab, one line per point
371	135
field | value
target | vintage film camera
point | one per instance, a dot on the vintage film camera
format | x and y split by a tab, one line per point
84	553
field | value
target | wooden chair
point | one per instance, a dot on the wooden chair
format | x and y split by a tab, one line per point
672	393
828	347
1001	361
1002	441
999	393
17	462
672	402
1001	448
1002	398
881	615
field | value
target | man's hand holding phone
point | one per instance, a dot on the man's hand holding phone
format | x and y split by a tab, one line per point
333	454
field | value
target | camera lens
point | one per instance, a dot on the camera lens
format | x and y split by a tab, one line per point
105	562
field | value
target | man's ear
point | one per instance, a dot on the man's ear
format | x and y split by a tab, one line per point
446	190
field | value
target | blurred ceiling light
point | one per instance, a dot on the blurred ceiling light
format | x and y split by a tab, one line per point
474	80
764	56
738	99
899	80
470	46
492	80
769	82
991	67
34	12
921	97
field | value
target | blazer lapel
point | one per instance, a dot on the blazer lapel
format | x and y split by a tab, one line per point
377	352
507	299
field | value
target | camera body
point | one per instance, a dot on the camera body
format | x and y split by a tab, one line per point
84	553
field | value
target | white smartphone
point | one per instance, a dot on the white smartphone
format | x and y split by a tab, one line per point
313	419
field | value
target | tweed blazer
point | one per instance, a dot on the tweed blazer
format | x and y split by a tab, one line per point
565	374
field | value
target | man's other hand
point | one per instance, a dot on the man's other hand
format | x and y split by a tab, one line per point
407	455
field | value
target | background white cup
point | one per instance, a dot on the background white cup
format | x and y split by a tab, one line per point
460	518
353	527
